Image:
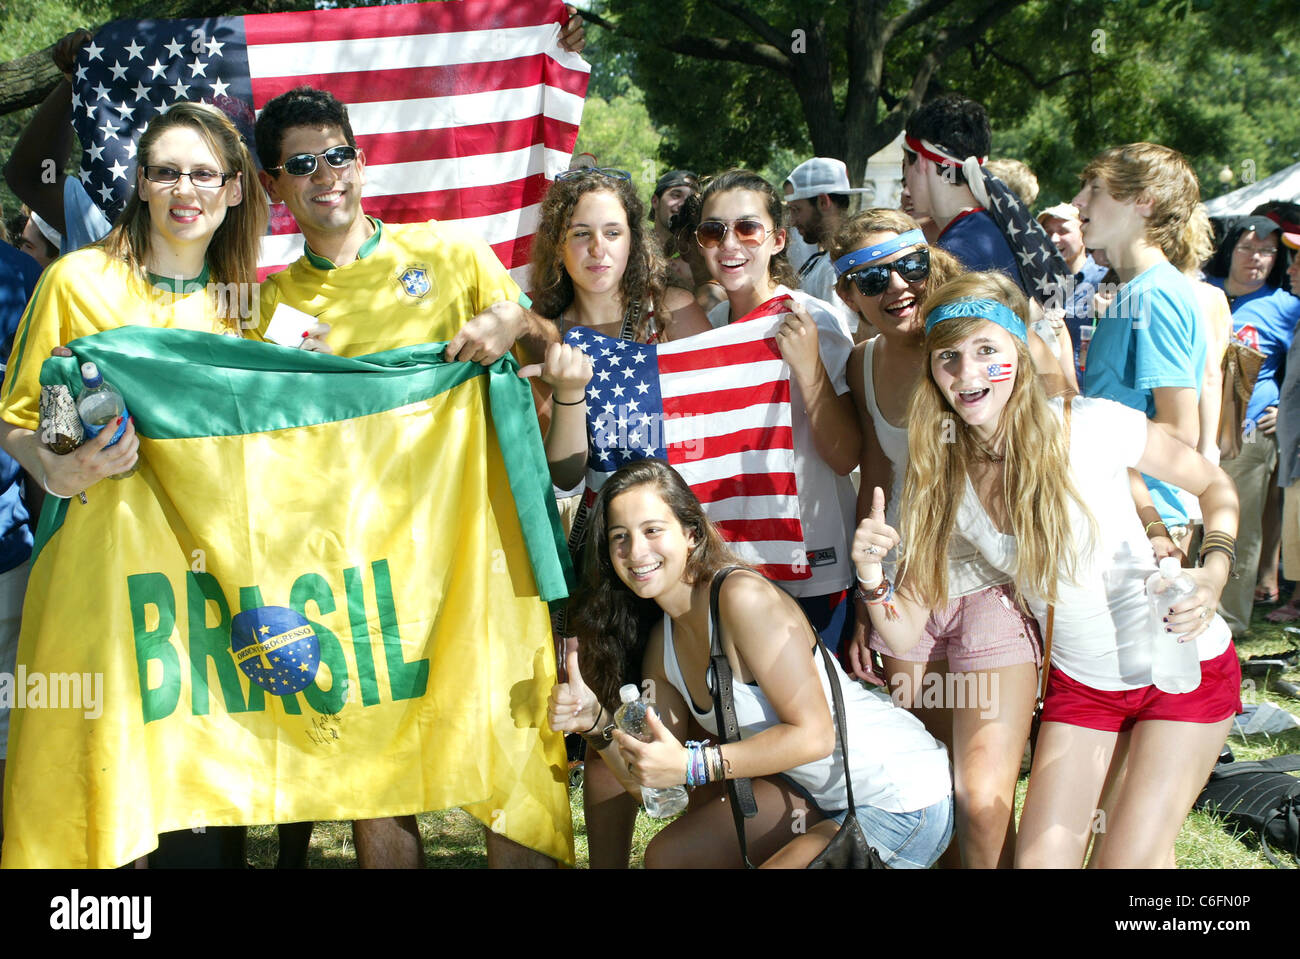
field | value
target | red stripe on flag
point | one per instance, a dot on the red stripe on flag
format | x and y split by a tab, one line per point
733	355
760	530
362	22
513	253
742	441
410	83
457	204
724	401
466	141
783	572
756	484
777	304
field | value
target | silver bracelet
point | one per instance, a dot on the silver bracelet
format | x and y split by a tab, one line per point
46	485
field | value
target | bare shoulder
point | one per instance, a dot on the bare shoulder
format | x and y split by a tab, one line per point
749	597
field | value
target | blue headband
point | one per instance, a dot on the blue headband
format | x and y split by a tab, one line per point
869	254
990	310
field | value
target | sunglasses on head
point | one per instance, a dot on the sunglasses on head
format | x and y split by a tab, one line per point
609	172
874	280
304	164
711	233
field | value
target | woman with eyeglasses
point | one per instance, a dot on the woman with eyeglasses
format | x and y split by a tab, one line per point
595	266
186	242
742	236
979	640
191	227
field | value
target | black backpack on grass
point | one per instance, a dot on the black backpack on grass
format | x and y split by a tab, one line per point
1258	798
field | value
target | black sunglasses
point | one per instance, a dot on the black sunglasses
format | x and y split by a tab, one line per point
874	280
304	164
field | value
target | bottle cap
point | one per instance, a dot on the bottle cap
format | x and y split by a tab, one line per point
629	693
1170	567
90	375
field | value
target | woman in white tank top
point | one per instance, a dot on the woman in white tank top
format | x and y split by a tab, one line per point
644	615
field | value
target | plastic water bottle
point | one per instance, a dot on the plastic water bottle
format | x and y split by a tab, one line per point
98	405
1175	666
659	803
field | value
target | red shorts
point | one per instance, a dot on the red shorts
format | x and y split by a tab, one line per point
1218	697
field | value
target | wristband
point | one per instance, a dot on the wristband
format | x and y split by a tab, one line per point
1155	522
571	403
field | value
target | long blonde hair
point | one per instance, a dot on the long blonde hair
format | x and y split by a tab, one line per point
232	251
941	450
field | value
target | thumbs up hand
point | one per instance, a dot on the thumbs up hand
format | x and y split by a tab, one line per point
572	707
658	763
873	539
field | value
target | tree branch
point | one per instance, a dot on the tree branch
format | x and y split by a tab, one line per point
735	51
905	21
990	51
753	21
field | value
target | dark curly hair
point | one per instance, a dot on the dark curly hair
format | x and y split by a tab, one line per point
646	276
956	123
778	268
612	623
299	107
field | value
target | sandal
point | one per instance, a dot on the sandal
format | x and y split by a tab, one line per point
1266	594
1284	614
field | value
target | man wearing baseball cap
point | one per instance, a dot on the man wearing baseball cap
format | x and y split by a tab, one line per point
1061	223
817	196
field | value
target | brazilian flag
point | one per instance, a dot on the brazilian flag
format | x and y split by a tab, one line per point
322	596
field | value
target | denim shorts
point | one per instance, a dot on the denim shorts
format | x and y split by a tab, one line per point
906	840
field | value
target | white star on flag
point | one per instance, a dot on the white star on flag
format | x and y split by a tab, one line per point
118	171
174	49
118	70
198	69
134	51
93	51
156	69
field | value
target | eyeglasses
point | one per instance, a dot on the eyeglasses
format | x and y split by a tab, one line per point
205	179
874	280
1267	252
304	164
593	171
711	233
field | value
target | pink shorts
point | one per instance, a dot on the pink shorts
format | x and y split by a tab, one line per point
985	630
1117	711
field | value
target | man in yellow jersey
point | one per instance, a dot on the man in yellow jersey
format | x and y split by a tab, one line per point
381	286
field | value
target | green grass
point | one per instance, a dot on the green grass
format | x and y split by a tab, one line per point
454	840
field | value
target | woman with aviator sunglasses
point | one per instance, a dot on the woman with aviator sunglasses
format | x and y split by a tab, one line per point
886	274
742	239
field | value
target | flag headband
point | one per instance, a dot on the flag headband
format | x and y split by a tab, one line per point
932	151
869	254
990	310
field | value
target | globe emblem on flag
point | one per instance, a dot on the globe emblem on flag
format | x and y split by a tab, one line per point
415	281
276	648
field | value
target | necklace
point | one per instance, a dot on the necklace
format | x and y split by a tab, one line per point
986	453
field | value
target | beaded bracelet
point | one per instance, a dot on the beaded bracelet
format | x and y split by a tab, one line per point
881	595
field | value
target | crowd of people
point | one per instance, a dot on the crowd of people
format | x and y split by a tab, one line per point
999	424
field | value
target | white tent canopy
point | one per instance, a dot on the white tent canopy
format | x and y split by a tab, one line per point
1283	185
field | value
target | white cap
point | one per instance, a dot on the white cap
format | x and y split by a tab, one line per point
1064	211
820	175
1170	567
629	693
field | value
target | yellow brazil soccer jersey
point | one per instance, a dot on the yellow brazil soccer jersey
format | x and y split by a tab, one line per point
87	292
419	283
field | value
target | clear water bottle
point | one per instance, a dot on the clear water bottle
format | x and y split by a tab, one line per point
659	803
1175	666
98	405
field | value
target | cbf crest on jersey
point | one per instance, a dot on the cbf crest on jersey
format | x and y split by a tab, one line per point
276	648
416	281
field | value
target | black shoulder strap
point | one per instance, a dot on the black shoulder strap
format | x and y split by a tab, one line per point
1277	764
743	805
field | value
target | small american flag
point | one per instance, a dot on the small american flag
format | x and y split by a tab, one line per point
715	406
999	372
465	110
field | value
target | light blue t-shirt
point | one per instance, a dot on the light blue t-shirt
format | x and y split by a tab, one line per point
1149	338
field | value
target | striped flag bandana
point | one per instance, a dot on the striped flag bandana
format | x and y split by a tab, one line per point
1042	269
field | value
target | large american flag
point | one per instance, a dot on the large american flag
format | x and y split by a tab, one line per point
716	406
465	110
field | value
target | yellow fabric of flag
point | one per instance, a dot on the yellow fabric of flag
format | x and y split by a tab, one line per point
377	531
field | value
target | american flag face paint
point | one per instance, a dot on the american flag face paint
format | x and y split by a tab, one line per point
1000	372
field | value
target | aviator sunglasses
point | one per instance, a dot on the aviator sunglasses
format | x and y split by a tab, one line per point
874	280
304	164
711	233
